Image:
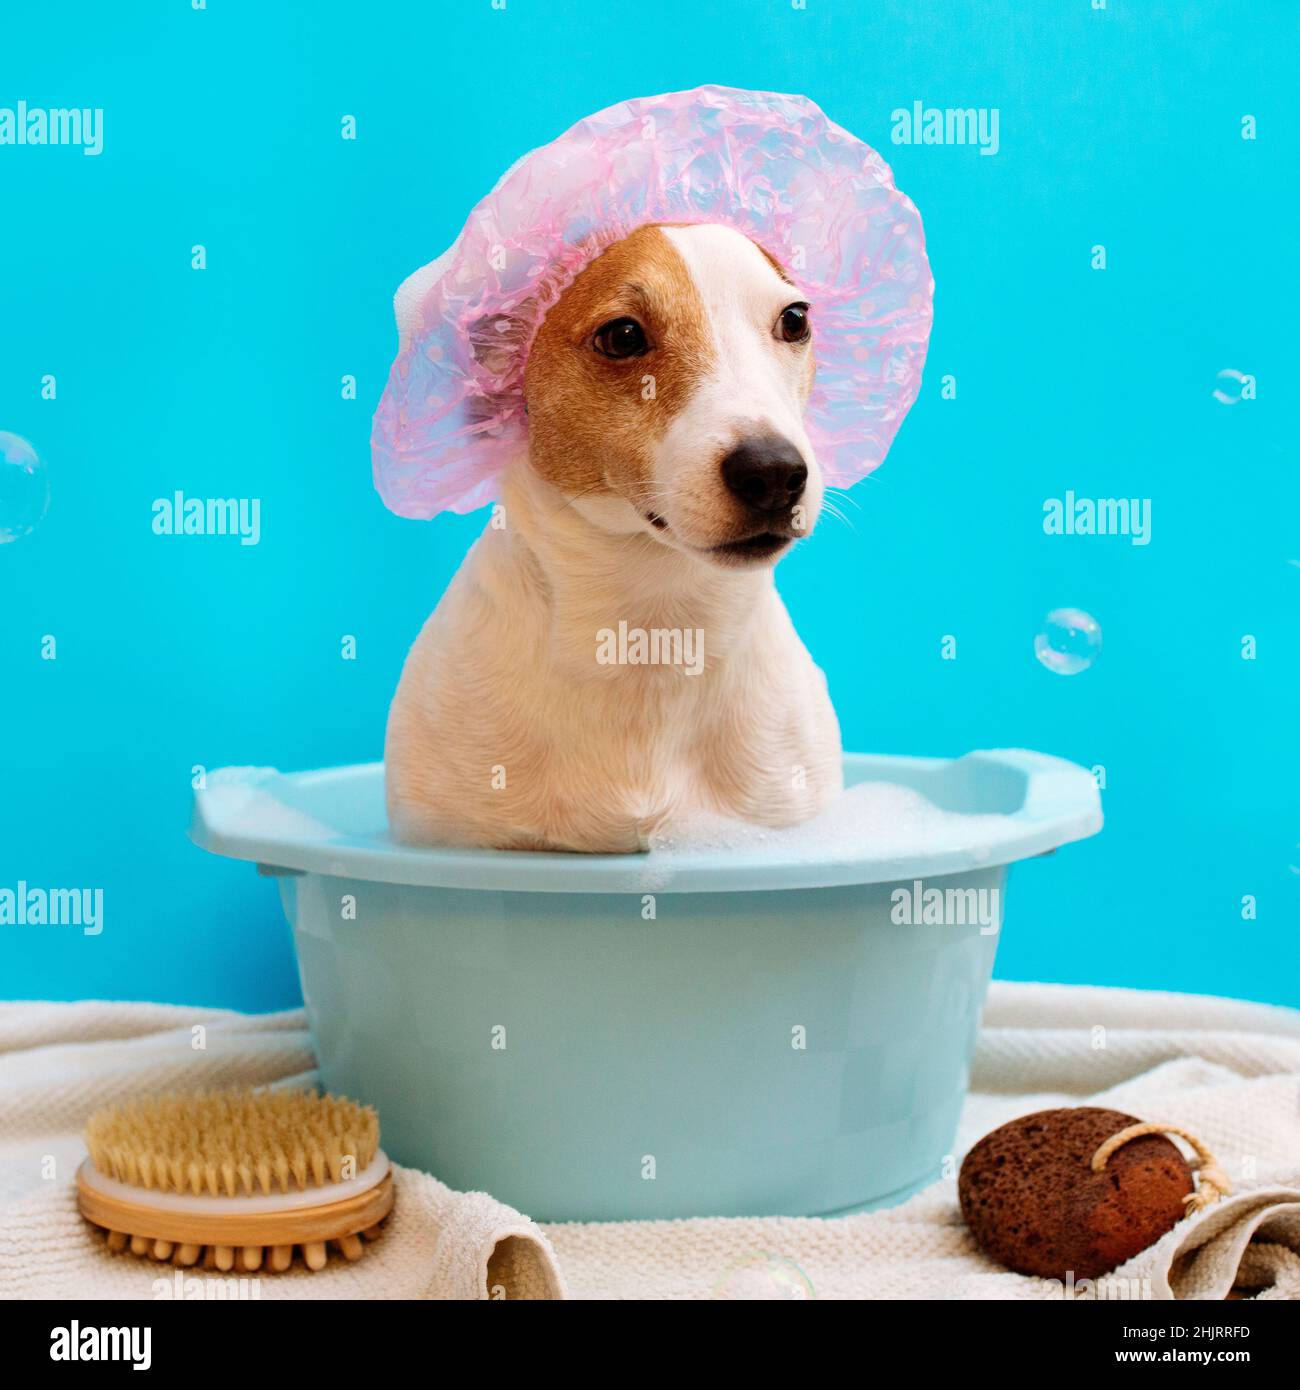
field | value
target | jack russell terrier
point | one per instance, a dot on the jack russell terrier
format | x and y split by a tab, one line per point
612	657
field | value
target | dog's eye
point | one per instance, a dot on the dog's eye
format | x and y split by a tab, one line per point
621	338
793	325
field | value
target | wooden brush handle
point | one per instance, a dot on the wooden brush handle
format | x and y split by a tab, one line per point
306	1225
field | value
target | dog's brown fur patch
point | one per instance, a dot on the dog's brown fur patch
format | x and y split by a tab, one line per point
589	417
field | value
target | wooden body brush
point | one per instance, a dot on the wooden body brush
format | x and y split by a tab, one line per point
236	1179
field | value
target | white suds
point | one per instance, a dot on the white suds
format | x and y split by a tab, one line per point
874	820
249	801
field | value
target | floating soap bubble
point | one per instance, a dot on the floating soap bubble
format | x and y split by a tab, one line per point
1069	642
1242	390
24	488
764	1276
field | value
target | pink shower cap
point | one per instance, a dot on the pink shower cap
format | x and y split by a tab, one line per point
770	166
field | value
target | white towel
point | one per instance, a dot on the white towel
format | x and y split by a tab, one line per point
1227	1071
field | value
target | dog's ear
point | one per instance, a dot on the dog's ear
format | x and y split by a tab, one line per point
496	341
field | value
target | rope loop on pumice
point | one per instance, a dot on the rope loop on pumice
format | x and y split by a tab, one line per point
1212	1181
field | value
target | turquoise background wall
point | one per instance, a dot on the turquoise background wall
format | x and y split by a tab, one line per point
1119	127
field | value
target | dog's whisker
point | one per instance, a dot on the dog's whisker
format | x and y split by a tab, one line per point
844	496
832	510
578	496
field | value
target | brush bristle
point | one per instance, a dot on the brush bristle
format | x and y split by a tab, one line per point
233	1143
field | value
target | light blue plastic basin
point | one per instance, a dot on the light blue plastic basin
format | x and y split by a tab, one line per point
603	1037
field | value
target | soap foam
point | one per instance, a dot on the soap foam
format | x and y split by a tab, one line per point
873	820
247	801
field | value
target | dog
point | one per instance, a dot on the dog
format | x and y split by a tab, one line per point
613	658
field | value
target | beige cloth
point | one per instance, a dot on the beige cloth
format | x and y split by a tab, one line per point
1227	1071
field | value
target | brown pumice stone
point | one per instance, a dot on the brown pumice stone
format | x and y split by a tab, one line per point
1031	1200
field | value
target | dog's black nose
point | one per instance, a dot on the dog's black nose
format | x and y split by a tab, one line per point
767	473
